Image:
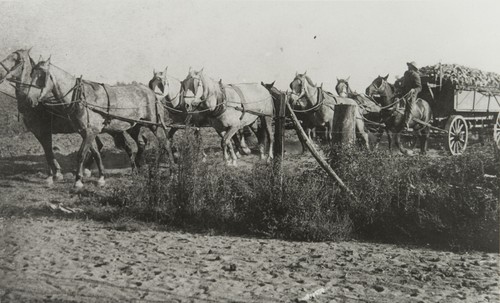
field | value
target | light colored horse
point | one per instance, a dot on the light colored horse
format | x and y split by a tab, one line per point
168	88
317	106
229	108
42	121
94	108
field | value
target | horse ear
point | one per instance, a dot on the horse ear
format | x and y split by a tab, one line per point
321	85
165	71
347	79
337	79
296	73
47	63
154	72
304	73
272	84
385	78
29	50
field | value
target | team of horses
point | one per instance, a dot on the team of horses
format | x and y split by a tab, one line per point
53	101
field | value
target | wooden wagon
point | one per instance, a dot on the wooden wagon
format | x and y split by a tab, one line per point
462	109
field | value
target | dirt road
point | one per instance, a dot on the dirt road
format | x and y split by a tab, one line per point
58	260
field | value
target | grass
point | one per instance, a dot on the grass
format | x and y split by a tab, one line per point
448	202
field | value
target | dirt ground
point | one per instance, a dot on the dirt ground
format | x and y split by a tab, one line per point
49	256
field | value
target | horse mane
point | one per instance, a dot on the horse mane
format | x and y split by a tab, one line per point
210	86
308	80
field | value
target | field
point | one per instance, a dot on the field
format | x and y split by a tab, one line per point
219	234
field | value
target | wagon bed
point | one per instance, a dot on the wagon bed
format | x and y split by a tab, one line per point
462	108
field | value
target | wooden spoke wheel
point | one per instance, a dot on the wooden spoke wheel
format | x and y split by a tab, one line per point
496	131
458	133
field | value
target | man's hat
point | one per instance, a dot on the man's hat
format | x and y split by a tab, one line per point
412	64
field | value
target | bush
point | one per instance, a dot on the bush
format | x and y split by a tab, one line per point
445	201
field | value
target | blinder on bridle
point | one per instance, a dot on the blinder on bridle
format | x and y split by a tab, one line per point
15	67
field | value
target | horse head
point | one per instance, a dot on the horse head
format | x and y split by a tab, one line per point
41	79
300	87
378	86
197	89
381	90
275	93
16	64
342	87
160	82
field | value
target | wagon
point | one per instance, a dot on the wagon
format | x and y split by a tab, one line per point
462	108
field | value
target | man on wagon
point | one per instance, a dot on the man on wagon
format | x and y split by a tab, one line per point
411	87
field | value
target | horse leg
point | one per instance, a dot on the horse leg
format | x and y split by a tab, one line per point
89	160
397	140
360	125
244	147
88	136
98	160
45	139
261	138
226	142
137	135
170	137
389	139
237	143
424	138
268	122
161	135
197	134
124	140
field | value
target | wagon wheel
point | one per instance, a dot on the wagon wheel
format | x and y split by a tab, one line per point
458	134
496	131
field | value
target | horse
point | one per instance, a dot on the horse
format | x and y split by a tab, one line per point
168	88
229	108
369	106
392	113
94	108
318	106
43	122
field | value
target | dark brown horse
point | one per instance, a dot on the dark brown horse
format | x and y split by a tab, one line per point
392	113
42	121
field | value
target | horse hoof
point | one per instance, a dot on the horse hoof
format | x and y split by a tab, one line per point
234	163
87	173
58	177
246	151
238	155
49	181
101	182
78	184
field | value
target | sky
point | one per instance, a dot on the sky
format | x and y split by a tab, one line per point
253	41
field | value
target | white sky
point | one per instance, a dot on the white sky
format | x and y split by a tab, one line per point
250	41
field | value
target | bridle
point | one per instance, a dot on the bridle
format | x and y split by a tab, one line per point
14	68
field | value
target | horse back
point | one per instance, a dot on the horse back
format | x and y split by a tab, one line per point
128	101
252	96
